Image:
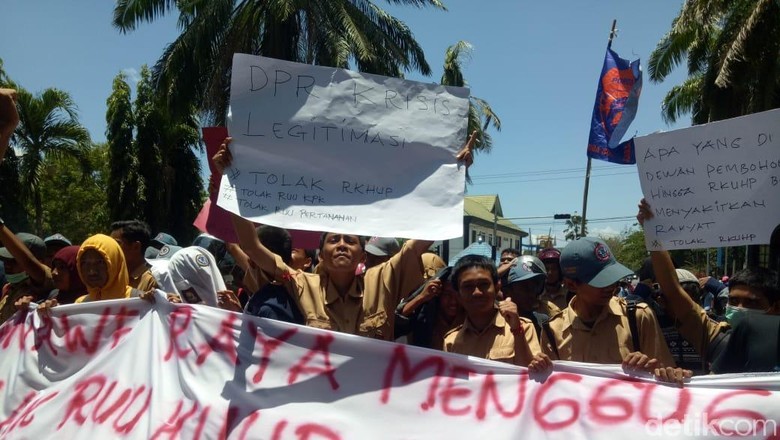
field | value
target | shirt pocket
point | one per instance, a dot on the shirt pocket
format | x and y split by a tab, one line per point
374	326
503	354
323	324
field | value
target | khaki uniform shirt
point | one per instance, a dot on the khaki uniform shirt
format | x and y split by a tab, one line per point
699	330
496	342
145	282
546	307
25	288
368	308
558	298
609	340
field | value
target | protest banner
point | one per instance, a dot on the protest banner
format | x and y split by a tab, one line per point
712	185
320	148
136	370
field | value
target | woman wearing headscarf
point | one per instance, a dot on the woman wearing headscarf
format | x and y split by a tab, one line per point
102	268
65	273
197	278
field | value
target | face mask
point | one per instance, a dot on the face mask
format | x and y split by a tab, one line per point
736	314
16	278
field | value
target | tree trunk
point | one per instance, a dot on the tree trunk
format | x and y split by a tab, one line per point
38	212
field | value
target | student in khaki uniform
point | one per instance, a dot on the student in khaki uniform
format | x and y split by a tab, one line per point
134	237
750	340
492	330
554	291
596	327
27	276
334	297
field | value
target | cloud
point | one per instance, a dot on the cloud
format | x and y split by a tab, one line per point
132	74
609	231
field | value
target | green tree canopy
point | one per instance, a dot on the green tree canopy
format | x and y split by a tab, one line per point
48	128
195	68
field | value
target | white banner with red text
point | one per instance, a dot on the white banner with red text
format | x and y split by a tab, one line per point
131	369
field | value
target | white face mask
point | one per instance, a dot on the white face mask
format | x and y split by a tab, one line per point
736	314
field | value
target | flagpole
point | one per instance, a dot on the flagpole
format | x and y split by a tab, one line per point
587	169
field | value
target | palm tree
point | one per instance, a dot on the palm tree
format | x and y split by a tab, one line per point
733	58
123	181
195	68
154	171
48	127
480	113
167	163
573	230
3	76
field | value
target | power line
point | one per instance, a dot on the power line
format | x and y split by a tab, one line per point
543	172
501	182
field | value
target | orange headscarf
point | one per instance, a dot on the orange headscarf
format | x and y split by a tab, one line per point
117	286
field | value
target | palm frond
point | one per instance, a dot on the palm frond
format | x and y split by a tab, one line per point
128	14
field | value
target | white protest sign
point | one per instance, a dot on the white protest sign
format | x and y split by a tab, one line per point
134	370
712	185
319	148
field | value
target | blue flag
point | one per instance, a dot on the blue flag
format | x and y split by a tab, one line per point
617	99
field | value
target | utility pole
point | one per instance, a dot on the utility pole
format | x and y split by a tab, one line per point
587	169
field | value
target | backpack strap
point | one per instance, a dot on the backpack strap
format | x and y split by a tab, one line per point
631	312
551	336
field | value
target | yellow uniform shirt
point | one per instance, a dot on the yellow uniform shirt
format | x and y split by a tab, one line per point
368	308
608	341
495	342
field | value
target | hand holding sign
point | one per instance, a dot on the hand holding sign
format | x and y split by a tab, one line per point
223	159
466	154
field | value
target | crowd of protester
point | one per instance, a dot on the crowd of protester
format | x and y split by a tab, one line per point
573	304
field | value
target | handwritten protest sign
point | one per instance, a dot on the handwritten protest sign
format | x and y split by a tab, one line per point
135	370
318	148
712	185
216	221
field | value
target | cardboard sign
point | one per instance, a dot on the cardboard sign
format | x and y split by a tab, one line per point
712	185
318	148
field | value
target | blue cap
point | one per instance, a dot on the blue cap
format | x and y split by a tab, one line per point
590	261
162	239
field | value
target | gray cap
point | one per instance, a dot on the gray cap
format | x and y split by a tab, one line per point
34	243
525	268
165	253
57	239
163	239
591	261
382	246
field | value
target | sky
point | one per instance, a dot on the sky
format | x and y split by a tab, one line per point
536	63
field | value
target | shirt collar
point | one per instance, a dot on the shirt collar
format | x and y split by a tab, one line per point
613	308
332	294
498	322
